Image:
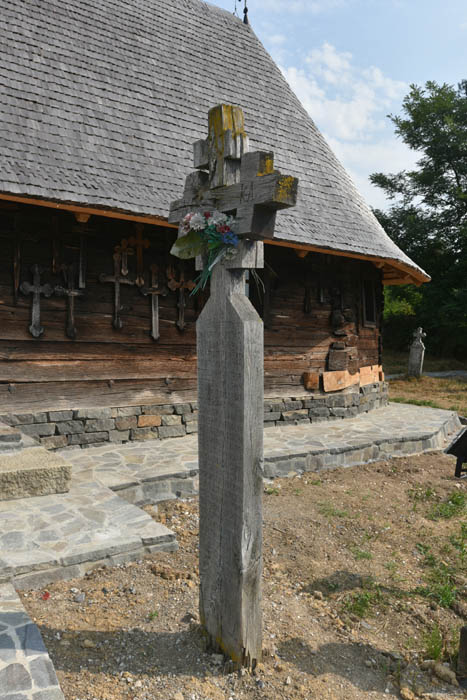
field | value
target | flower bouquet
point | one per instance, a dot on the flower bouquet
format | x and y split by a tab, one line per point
209	234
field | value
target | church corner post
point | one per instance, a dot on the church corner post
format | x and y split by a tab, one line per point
241	191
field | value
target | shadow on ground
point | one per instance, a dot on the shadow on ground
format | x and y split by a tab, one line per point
182	654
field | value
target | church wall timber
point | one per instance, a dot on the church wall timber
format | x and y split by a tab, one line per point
317	321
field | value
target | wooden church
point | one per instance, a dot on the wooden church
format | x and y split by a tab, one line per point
101	104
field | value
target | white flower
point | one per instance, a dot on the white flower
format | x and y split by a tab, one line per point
197	222
218	218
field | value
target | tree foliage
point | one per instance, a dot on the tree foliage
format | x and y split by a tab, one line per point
428	213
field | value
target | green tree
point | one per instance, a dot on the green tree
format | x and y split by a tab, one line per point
428	213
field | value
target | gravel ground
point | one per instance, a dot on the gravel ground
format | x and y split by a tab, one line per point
351	604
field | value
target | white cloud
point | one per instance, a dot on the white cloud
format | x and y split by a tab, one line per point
389	155
277	39
349	104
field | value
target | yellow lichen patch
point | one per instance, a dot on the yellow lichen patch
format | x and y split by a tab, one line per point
286	188
266	166
226	118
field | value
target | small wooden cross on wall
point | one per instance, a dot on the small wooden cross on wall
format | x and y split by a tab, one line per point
230	383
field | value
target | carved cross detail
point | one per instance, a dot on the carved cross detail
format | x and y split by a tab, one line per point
140	244
71	293
155	290
36	289
237	180
418	335
116	279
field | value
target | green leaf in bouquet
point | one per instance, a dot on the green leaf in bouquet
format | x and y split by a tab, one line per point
188	246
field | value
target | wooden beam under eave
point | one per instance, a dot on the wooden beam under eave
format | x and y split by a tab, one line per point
401	271
91	211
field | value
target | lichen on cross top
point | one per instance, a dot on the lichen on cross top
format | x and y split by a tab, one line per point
232	179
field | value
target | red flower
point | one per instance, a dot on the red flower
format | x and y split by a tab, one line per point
207	215
45	595
223	229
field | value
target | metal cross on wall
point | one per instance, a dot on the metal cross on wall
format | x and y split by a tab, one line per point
230	383
116	279
36	289
155	291
71	293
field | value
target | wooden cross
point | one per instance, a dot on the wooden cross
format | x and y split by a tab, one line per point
116	279
230	384
83	231
36	289
71	293
182	285
140	244
237	180
124	250
155	290
16	262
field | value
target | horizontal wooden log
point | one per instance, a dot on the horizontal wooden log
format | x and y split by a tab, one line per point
46	350
79	370
30	397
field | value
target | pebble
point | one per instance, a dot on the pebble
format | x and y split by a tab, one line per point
288	680
178	696
80	598
88	644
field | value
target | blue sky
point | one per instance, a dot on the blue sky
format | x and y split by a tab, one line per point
351	62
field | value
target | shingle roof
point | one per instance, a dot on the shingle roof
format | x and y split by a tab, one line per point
100	103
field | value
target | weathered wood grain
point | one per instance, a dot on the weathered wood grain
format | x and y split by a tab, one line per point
230	397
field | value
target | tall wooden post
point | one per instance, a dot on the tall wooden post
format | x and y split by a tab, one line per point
230	397
230	383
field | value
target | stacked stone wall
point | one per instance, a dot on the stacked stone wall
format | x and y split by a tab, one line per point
91	426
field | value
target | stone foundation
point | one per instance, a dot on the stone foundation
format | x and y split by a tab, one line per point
91	426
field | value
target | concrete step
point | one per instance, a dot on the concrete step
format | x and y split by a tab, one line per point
32	471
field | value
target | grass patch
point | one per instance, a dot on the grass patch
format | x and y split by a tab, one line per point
363	603
439	581
416	402
361	553
331	511
448	393
433	644
454	505
421	495
271	491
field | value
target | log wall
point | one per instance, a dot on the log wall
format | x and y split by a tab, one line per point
309	304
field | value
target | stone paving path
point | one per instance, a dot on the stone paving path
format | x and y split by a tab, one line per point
165	469
26	671
49	538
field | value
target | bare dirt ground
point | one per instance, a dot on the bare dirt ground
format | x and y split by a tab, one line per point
365	578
